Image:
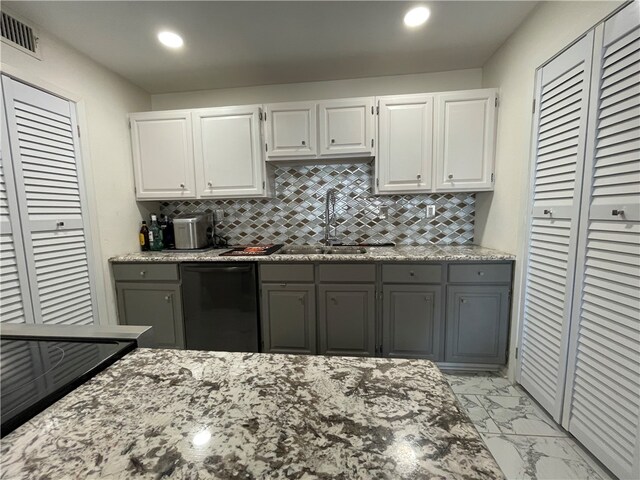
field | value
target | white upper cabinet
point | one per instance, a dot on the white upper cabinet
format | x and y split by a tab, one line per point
163	155
405	149
228	152
347	127
465	125
291	130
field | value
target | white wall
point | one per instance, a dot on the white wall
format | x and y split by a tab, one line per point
500	215
359	87
104	100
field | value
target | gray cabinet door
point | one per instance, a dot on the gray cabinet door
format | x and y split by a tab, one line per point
158	305
288	318
412	321
477	323
347	320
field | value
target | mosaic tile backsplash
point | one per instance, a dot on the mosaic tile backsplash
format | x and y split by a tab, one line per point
296	214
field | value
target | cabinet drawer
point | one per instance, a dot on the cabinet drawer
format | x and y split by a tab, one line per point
145	271
286	273
347	273
480	273
412	273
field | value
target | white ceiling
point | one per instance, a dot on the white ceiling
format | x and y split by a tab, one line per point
232	44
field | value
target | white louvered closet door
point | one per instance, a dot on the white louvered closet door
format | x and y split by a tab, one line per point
44	146
561	121
15	301
602	405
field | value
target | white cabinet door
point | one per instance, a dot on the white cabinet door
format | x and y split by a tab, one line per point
465	135
347	127
52	205
15	298
562	99
291	129
405	149
228	152
163	155
602	404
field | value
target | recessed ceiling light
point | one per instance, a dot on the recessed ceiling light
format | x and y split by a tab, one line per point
170	39
416	16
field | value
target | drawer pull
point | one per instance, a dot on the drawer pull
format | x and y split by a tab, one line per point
143	273
481	273
303	142
617	212
427	299
167	298
463	300
333	140
283	284
59	224
547	211
333	300
301	300
412	273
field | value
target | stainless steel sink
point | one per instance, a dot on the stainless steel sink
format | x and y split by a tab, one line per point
345	251
301	250
318	250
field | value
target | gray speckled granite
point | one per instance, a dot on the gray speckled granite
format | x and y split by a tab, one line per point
374	254
196	415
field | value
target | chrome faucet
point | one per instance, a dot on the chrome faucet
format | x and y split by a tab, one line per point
330	217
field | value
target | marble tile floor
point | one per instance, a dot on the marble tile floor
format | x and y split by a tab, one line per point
525	441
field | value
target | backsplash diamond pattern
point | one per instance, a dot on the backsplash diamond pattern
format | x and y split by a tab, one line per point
296	215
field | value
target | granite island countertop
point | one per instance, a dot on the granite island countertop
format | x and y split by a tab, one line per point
198	415
374	254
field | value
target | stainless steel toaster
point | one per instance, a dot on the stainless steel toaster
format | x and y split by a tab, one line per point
191	231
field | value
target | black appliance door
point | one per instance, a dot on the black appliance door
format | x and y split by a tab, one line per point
220	304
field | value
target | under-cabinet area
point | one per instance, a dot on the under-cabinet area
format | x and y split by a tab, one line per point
455	313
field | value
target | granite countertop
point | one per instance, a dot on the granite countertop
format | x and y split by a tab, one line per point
196	415
374	254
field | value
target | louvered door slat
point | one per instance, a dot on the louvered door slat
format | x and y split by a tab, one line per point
49	180
602	406
563	87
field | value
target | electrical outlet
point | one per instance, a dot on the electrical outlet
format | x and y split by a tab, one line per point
431	211
218	215
383	212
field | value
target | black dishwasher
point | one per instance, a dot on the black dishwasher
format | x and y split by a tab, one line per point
220	305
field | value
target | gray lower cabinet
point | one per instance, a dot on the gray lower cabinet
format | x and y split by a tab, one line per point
411	321
346	319
289	318
477	323
156	304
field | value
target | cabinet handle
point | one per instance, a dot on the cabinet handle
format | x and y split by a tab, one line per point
303	142
59	224
283	284
427	299
167	298
333	140
142	273
463	300
209	184
419	176
182	185
481	273
412	273
301	300
450	176
617	212
333	300
547	211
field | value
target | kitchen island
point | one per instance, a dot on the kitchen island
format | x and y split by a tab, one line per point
197	415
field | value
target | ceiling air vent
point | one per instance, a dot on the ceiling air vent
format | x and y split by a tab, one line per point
18	34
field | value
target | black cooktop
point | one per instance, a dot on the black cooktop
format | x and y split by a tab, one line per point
35	373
